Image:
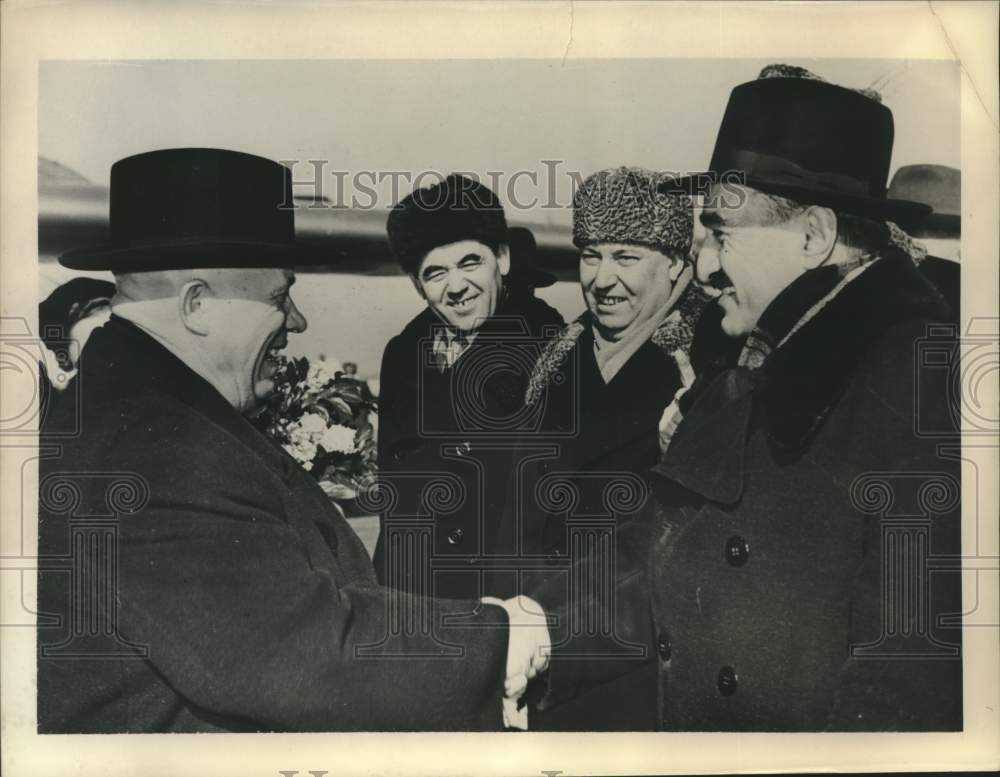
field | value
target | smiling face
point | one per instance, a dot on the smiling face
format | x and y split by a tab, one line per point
746	260
625	283
462	282
273	338
251	314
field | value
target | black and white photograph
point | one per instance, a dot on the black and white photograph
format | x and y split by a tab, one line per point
506	396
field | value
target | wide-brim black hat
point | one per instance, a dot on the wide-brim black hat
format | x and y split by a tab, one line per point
198	207
810	141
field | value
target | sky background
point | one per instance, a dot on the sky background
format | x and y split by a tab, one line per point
475	116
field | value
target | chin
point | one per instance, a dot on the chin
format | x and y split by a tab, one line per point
736	325
263	390
613	323
469	322
454	321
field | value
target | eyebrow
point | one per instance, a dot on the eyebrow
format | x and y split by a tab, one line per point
433	268
625	252
283	287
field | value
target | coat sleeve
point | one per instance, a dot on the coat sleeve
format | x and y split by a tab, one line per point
890	680
601	628
242	623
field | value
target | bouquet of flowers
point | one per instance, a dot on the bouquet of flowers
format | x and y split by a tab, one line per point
324	420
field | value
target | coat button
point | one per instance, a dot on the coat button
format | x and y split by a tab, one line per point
455	536
464	449
727	681
737	551
553	555
663	646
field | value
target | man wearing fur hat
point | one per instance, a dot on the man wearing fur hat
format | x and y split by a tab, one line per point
810	491
601	387
452	388
194	577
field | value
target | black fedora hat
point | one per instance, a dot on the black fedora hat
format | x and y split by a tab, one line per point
198	207
808	140
523	253
937	186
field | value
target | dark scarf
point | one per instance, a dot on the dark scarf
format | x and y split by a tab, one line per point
787	309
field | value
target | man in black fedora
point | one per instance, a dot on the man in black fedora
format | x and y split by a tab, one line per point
803	505
193	576
525	278
940	188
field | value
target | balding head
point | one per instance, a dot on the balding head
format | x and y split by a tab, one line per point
226	324
238	283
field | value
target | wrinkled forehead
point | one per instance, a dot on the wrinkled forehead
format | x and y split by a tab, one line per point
249	282
235	283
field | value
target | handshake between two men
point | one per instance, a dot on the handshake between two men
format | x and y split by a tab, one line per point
529	648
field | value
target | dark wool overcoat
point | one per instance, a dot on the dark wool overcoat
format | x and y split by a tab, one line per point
945	274
195	578
803	572
445	446
580	480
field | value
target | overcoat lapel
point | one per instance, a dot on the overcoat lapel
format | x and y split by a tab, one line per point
807	376
708	453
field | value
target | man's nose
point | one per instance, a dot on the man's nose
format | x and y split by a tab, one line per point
607	275
295	321
457	284
707	262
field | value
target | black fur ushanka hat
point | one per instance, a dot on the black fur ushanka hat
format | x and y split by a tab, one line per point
455	209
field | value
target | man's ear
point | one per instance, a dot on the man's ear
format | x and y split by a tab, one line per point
820	236
677	266
503	258
192	298
417	286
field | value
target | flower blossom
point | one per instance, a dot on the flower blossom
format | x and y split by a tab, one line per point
301	448
312	424
322	371
303	438
338	439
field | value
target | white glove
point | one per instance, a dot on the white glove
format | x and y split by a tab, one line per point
528	649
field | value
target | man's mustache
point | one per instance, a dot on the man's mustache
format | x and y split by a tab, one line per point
718	281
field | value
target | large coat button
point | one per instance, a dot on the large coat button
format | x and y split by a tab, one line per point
663	646
727	681
464	449
737	551
455	536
